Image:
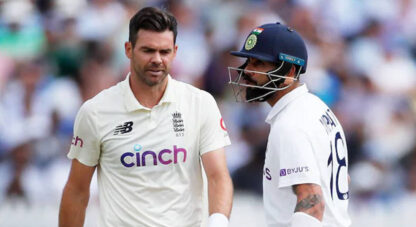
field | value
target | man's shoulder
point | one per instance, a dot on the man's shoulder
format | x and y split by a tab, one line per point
189	90
105	97
301	112
306	105
108	94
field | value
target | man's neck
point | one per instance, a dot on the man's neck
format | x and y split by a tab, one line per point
148	96
279	94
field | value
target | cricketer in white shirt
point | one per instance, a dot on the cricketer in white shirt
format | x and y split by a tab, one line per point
306	144
148	160
305	176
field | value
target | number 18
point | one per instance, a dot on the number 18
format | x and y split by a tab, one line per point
341	163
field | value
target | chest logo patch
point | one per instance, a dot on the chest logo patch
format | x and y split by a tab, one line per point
177	122
126	127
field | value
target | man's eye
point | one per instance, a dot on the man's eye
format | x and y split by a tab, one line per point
258	63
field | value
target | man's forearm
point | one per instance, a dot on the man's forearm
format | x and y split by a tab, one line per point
220	194
72	208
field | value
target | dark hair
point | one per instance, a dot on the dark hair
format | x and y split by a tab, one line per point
154	19
286	68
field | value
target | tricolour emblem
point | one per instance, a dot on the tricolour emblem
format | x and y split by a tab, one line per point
257	31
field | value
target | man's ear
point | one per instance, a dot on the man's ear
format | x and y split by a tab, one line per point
128	49
175	49
292	72
290	76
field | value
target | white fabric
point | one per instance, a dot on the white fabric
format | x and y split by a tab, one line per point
301	219
149	172
217	220
298	152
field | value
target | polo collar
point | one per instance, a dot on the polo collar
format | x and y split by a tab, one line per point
132	104
169	95
285	100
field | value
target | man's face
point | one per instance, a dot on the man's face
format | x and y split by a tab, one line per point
152	56
254	74
258	79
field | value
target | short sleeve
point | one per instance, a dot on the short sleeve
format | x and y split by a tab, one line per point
296	157
213	132
85	146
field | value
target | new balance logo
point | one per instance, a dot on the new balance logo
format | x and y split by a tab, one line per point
124	128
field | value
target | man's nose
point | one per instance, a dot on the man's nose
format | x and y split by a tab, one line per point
156	58
247	70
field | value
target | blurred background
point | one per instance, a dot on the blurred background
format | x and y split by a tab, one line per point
55	54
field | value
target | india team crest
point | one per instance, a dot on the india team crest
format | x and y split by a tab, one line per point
251	42
252	39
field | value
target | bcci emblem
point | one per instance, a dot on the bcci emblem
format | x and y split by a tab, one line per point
250	42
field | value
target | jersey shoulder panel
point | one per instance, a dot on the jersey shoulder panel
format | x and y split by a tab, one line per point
187	89
111	95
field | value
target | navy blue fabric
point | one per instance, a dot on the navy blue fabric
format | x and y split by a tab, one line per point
274	40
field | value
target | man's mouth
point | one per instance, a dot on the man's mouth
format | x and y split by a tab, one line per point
155	71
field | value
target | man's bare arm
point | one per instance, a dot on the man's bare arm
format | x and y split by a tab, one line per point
75	195
220	187
309	200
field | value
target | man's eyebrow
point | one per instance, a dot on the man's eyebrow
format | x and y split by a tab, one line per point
146	48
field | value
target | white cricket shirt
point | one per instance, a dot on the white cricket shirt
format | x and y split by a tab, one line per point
148	160
306	144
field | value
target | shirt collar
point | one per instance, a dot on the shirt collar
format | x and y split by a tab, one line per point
169	95
285	100
132	104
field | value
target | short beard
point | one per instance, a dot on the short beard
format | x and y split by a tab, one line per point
154	83
252	93
142	77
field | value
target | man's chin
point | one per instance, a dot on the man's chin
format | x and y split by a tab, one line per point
255	93
153	79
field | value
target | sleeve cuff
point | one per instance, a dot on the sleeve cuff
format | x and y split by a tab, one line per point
301	219
217	220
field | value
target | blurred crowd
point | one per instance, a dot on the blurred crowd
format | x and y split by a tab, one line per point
55	54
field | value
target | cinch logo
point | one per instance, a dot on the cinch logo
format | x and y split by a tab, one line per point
76	140
284	172
165	156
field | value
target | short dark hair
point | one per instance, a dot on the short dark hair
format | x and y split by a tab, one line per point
286	68
154	19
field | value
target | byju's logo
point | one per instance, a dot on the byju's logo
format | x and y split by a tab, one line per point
164	157
288	171
124	128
